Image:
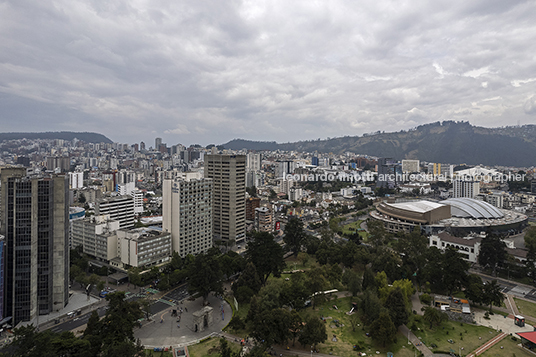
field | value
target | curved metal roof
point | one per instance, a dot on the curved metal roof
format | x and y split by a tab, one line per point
471	208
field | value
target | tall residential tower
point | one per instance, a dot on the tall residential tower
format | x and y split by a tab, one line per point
228	173
187	213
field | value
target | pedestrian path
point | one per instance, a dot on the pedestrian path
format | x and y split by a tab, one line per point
486	346
404	330
510	302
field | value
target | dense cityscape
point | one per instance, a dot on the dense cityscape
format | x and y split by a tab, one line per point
106	245
267	178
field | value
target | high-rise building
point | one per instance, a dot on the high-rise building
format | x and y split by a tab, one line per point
76	180
389	173
60	163
187	213
35	223
465	188
157	143
228	173
137	195
120	208
253	161
2	265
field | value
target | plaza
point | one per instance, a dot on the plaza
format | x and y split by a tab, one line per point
165	330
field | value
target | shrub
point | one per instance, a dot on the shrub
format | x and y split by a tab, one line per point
425	299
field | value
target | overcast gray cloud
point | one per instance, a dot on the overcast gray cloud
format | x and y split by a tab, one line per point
209	71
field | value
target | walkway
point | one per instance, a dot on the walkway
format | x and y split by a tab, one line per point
486	346
511	304
404	330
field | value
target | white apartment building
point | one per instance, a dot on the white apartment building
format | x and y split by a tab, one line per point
465	188
96	235
76	180
253	161
143	246
137	195
120	208
187	213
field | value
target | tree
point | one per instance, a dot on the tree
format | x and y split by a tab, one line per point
225	349
27	341
267	256
492	253
492	294
117	326
252	191
370	307
354	320
134	277
433	316
368	281
352	281
273	326
313	333
454	270
296	324
396	304
383	329
205	275
474	289
92	334
378	234
294	235
247	284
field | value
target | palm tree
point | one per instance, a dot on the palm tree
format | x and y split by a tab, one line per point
433	316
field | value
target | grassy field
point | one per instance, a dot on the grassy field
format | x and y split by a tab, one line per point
468	336
510	349
526	307
352	227
346	338
209	347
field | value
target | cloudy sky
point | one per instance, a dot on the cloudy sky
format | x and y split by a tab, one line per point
196	71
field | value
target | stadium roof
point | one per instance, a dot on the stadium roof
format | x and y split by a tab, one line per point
416	206
471	208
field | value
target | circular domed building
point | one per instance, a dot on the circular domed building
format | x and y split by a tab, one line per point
459	216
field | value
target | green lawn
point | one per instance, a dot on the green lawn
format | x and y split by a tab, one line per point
209	347
346	337
526	307
468	336
510	349
352	227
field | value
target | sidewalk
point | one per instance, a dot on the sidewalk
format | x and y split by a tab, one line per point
404	330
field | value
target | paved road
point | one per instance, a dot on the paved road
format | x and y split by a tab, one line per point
74	323
511	287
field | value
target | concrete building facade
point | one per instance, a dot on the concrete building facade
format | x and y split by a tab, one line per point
228	173
119	208
187	213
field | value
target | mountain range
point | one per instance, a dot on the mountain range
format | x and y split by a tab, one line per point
64	135
446	142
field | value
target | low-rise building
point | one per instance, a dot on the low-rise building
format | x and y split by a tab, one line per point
143	246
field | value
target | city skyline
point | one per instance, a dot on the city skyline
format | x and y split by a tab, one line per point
192	72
